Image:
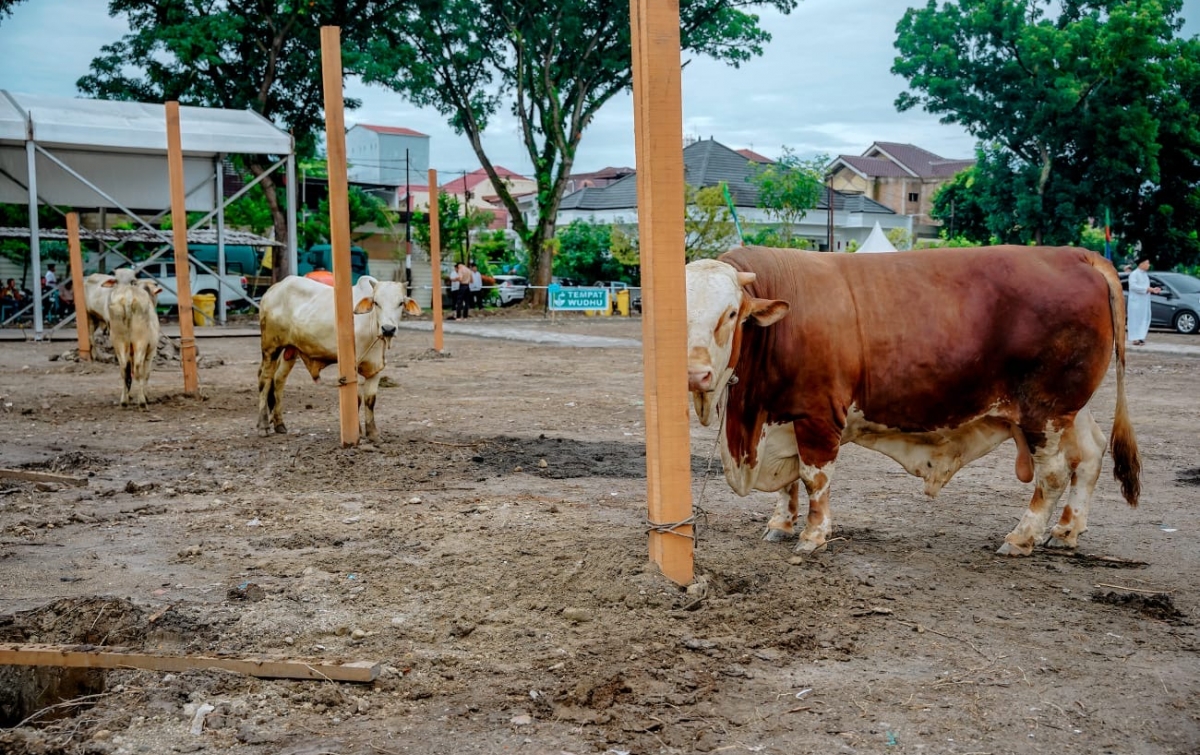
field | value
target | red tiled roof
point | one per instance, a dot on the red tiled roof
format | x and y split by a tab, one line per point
476	177
753	156
397	130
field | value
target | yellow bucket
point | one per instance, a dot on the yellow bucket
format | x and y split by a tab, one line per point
204	308
623	302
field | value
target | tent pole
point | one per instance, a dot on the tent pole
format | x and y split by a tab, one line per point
220	203
293	265
35	244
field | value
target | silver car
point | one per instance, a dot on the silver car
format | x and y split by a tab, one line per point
1178	306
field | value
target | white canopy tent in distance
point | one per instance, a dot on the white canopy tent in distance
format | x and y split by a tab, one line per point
108	155
876	242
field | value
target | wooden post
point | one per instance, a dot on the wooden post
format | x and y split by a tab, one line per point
658	130
339	231
81	316
435	259
179	226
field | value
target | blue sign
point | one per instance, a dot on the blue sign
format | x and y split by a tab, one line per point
577	298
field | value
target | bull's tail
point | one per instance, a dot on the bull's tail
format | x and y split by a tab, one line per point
1127	461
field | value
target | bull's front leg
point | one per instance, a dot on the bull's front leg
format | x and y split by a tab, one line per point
818	446
782	524
368	390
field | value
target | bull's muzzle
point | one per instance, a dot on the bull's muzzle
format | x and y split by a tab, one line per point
389	331
700	378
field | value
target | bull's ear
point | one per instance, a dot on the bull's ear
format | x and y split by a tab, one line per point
745	279
364	305
109	283
411	307
766	312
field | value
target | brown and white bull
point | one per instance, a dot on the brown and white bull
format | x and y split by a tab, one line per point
296	318
933	358
132	317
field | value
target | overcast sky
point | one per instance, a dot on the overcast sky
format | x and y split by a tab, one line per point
823	86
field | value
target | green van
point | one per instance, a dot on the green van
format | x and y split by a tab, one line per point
239	259
321	256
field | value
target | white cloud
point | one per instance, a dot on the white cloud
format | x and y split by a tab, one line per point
823	85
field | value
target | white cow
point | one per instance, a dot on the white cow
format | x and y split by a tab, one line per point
96	288
133	327
296	317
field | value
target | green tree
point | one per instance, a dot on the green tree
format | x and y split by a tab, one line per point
6	8
959	207
365	210
708	225
241	54
788	188
1068	98
555	64
584	253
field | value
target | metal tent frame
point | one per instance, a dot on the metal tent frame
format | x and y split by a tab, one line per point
113	155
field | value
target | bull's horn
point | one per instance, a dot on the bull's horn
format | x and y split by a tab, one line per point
745	279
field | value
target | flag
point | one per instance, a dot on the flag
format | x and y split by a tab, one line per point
732	211
1107	235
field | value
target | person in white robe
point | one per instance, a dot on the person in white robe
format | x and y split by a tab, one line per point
1138	318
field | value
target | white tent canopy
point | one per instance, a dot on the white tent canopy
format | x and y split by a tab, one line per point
876	242
102	154
122	148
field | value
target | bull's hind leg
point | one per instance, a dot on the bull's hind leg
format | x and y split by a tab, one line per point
266	390
1052	456
286	363
1085	472
143	362
125	365
787	510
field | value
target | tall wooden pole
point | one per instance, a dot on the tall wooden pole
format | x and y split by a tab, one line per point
339	231
435	259
179	225
658	130
81	315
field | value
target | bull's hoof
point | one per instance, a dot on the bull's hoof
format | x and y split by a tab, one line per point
1012	549
264	432
810	546
1063	537
281	429
773	535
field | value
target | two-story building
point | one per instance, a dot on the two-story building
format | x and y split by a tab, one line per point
902	177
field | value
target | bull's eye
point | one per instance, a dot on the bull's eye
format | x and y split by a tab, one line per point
732	315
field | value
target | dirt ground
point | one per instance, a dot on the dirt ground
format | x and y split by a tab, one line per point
490	554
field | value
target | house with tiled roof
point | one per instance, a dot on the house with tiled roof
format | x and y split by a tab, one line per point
477	190
903	177
596	178
391	155
755	157
709	163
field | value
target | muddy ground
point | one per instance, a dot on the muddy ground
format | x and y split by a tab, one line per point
491	556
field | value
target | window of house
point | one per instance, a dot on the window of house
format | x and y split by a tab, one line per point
914	196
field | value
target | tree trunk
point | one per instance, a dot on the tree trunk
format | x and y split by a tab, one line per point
279	257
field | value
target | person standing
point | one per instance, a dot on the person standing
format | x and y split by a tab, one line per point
1138	319
50	290
462	300
476	287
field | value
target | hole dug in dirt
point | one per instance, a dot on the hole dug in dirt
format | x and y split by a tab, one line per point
40	694
1156	606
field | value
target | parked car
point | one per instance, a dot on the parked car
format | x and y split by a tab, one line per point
233	290
1178	306
564	281
510	288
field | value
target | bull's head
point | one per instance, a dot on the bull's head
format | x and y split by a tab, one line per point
718	307
387	299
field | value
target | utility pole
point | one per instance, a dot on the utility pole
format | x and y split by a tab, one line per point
408	208
829	201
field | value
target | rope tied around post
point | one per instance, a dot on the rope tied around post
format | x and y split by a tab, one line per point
671	528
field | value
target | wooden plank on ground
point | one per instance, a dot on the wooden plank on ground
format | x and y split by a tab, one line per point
90	656
25	474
